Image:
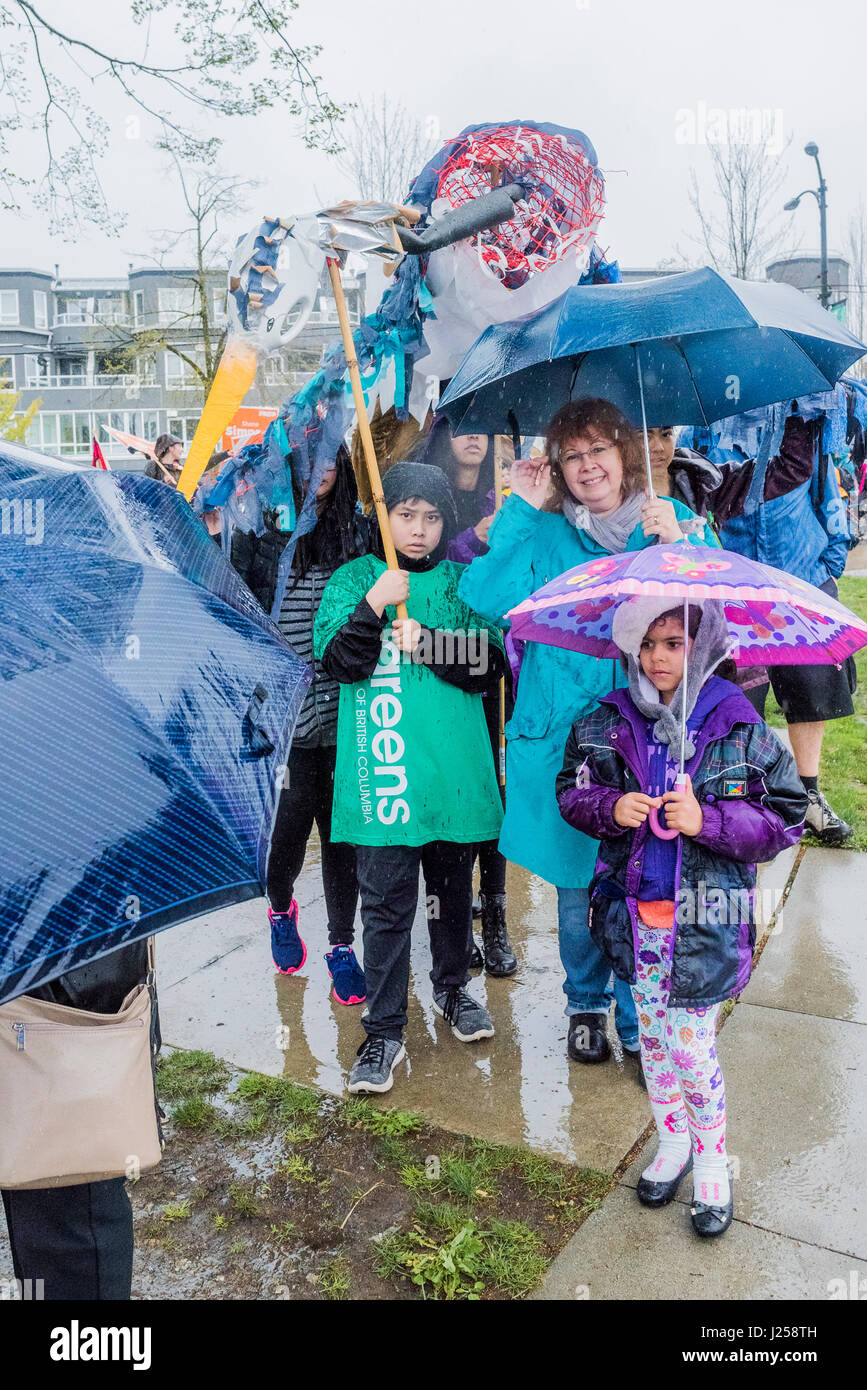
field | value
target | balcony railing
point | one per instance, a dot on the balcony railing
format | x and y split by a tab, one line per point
71	317
120	380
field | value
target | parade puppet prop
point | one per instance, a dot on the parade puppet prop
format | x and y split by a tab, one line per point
505	217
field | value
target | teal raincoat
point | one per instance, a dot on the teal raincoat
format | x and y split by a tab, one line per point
556	687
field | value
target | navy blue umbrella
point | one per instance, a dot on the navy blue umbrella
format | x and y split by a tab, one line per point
679	350
146	707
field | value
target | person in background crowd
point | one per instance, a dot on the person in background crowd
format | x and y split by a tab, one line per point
341	533
468	461
167	450
796	525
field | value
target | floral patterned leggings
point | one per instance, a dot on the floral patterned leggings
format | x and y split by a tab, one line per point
684	1081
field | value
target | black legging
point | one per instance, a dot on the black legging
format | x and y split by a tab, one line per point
306	797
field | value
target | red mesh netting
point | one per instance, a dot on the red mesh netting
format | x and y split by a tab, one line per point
563	209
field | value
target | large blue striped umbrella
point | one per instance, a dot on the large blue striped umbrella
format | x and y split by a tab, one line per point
678	350
146	707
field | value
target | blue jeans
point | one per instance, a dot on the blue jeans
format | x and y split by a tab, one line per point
588	983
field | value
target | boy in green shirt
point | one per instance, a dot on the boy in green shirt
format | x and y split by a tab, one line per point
414	784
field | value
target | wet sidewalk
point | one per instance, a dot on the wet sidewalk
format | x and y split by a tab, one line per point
794	1052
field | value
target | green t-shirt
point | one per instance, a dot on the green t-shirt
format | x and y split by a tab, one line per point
414	757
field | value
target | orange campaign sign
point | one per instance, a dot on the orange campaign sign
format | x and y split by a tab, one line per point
247	426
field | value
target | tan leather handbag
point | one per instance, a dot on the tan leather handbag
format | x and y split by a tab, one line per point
76	1092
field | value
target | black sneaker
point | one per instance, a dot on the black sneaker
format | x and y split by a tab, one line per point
829	828
499	957
377	1059
470	1020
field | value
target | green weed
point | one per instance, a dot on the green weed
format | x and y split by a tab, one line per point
195	1113
243	1199
276	1097
297	1169
182	1075
333	1278
177	1211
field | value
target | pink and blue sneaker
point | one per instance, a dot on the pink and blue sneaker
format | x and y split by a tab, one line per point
347	975
287	949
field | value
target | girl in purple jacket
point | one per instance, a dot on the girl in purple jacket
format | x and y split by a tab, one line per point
676	916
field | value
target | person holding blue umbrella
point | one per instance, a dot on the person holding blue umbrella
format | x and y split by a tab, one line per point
584	500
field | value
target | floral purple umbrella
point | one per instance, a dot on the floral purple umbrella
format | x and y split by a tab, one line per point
774	619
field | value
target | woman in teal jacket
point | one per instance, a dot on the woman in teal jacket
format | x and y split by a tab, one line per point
586	498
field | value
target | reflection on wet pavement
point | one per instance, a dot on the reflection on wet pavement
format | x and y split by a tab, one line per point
517	1087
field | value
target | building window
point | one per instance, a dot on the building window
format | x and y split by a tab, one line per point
72	309
218	305
179	374
138	307
7	374
176	303
35	372
40	309
72	371
8	306
184	426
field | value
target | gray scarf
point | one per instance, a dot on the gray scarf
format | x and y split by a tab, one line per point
612	532
712	643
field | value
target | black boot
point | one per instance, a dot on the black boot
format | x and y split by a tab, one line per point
477	960
499	957
588	1040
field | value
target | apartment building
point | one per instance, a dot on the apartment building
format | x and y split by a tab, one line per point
110	352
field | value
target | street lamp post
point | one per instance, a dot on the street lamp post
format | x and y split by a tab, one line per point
821	196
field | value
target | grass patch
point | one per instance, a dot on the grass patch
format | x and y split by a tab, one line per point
221	1221
183	1075
195	1113
389	1124
333	1278
243	1200
301	1134
297	1169
177	1211
275	1097
843	770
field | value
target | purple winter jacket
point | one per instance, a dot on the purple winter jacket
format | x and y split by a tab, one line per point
753	804
466	545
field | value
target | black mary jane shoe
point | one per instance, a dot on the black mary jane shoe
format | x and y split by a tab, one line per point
708	1222
659	1194
588	1040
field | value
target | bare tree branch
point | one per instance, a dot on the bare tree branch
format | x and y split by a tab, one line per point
237	60
384	149
742	231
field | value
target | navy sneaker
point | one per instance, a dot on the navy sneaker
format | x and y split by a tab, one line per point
287	949
347	975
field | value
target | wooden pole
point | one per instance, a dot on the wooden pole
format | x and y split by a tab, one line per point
501	738
363	422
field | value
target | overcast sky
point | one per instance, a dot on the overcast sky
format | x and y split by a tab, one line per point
624	71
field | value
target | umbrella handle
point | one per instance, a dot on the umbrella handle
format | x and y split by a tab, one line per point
662	833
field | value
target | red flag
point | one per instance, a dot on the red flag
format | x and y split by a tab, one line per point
98	459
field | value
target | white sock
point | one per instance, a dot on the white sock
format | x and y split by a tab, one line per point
669	1160
711	1183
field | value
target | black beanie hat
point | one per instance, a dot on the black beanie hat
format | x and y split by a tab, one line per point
407	480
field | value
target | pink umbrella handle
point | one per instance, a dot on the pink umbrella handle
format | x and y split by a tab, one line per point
680	785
